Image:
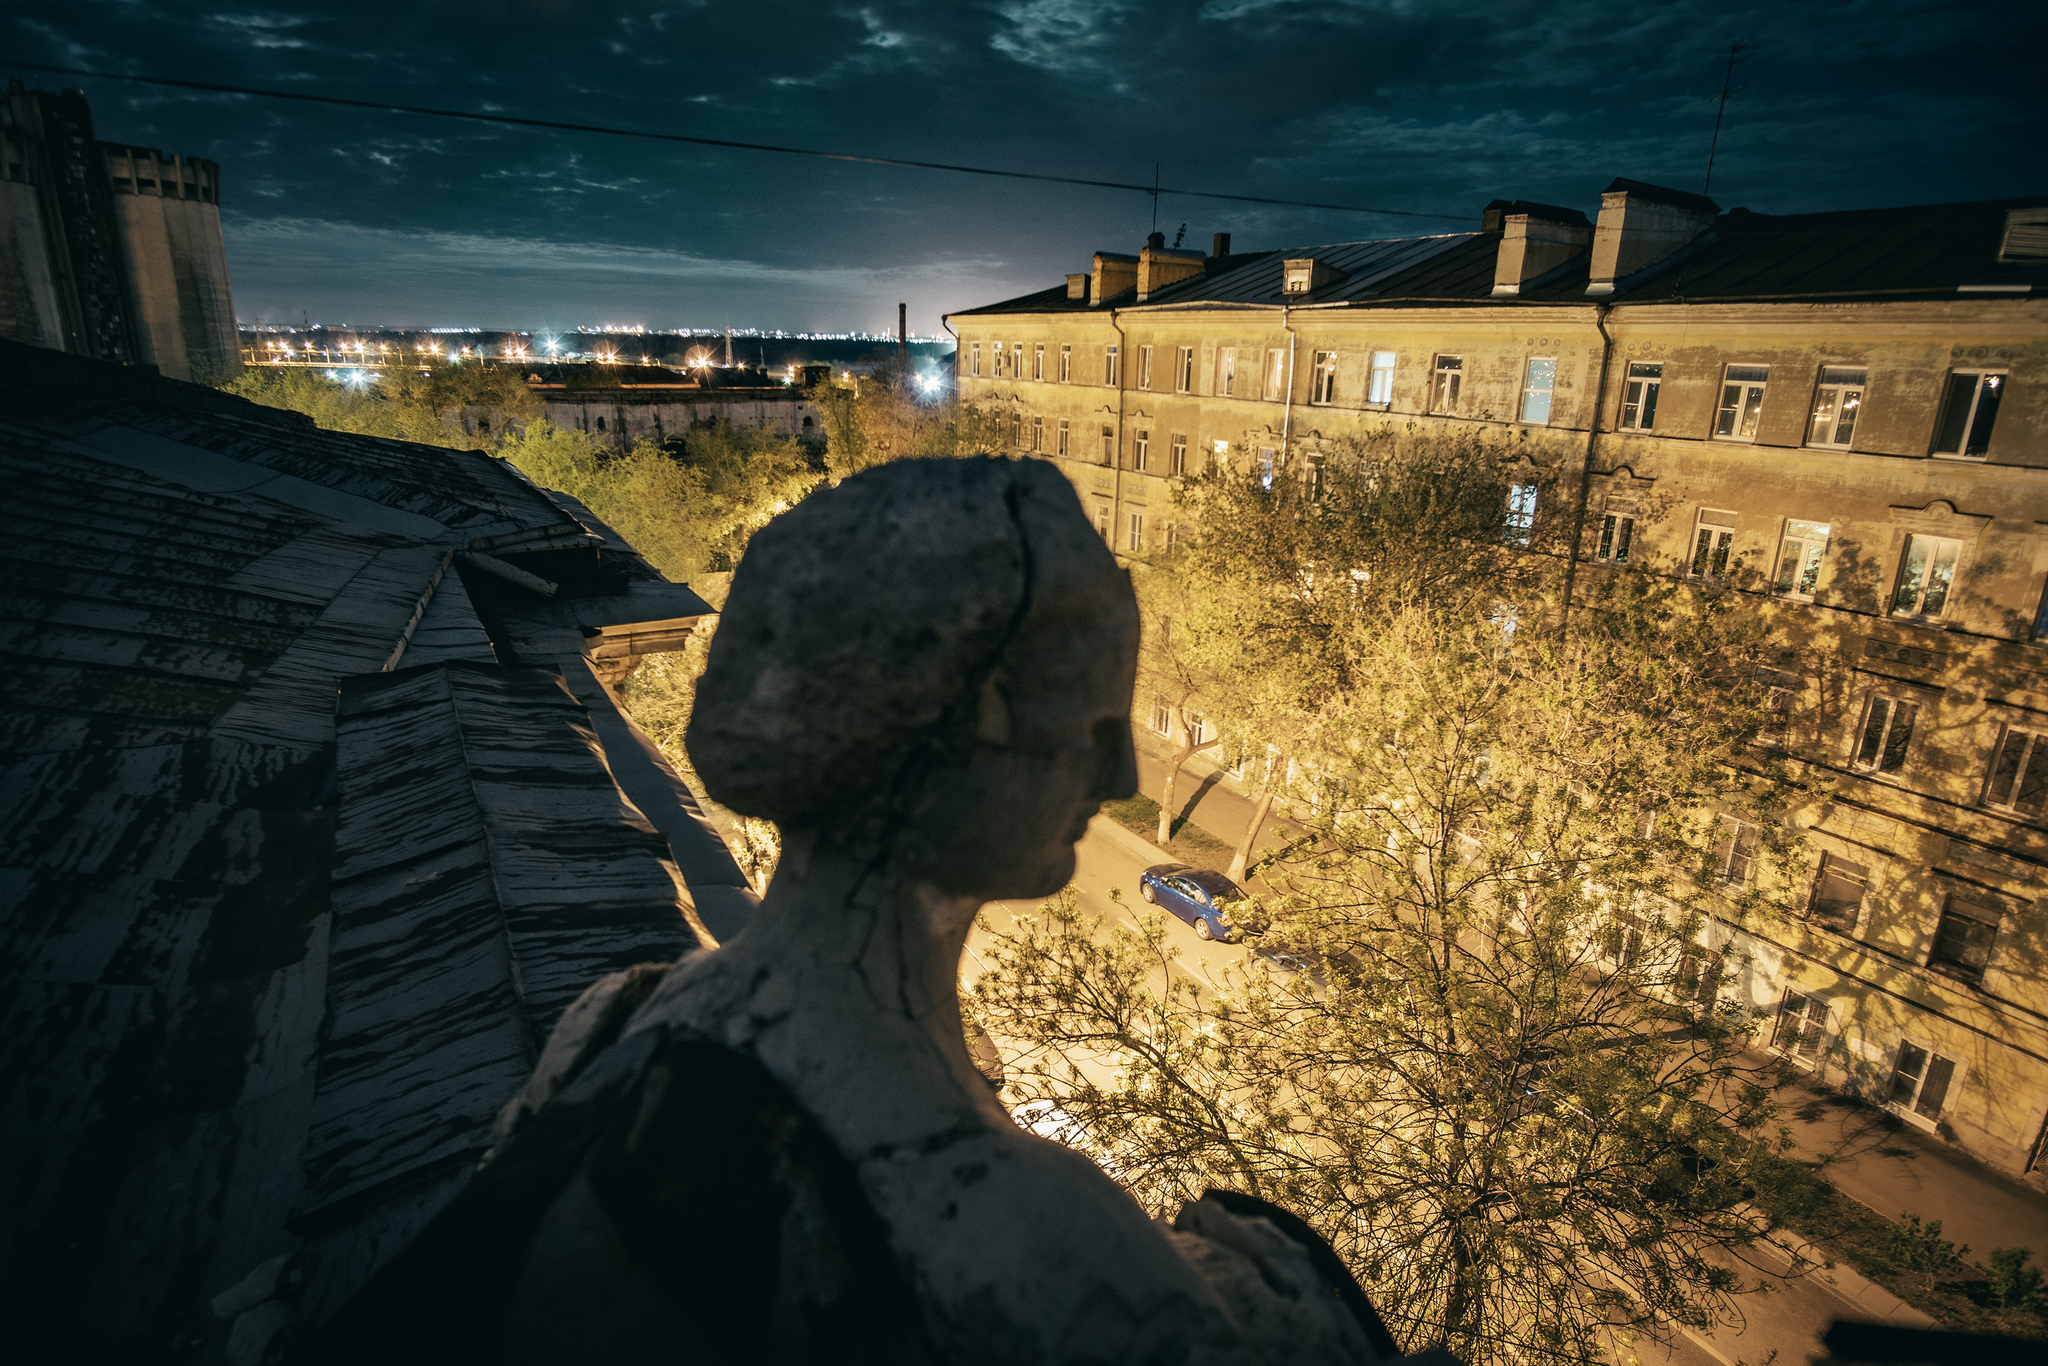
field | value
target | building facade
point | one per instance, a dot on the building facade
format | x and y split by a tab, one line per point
110	251
1853	406
619	415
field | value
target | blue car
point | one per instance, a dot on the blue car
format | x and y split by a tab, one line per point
1196	895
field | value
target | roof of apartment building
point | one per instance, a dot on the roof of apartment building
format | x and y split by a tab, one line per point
317	812
1923	251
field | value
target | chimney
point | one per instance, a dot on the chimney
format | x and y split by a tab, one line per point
1641	225
1077	287
1220	244
1114	273
1535	240
1160	265
903	333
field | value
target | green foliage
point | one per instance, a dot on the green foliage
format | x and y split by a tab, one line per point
885	417
1919	1246
401	402
2014	1284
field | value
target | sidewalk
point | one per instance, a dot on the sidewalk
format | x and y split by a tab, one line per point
1205	796
1893	1168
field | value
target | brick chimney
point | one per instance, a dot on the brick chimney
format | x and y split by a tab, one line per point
1220	244
1160	265
1114	273
1535	240
1641	225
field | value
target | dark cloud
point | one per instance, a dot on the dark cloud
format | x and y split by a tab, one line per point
1418	104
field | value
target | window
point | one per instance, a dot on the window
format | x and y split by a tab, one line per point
1802	1026
1639	395
1380	387
1137	532
1016	429
1836	403
1521	520
1322	380
1038	434
1735	852
1276	374
1920	1080
1799	557
1162	715
1038	360
1184	369
1443	385
974	358
1109	365
1699	977
1962	940
1066	364
1220	455
1742	402
1061	437
1144	367
1617	536
1838	892
1226	370
1967	412
1108	444
1172	536
1713	540
1623	941
1887	731
1102	523
1141	451
2019	772
1926	572
995	368
1265	467
1539	379
1315	484
1177	455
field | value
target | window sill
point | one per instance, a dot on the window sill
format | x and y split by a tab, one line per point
1958	456
1733	440
1829	447
1958	976
1370	407
1912	1116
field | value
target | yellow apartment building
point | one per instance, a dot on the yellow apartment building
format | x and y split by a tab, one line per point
1851	407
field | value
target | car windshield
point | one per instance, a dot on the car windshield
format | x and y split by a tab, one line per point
1219	887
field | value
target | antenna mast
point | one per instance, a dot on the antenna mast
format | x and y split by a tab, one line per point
1726	91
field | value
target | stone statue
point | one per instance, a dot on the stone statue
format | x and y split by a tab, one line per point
781	1150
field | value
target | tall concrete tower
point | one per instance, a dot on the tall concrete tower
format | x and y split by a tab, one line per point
110	251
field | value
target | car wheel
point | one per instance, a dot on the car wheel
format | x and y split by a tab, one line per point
1202	928
1145	890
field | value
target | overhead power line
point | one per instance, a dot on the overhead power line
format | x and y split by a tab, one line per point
719	142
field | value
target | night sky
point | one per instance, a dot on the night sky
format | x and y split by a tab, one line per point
368	218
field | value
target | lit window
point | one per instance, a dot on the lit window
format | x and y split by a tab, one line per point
1137	532
1184	369
1963	939
1617	537
1742	402
1380	388
1109	365
1108	444
1066	364
1887	731
1443	384
1538	382
1060	437
974	358
1802	1026
1713	541
1141	451
1836	404
1735	852
2019	772
1226	370
1038	360
1276	374
1639	395
1926	573
1144	367
1220	454
1799	557
1838	892
1177	455
1967	411
1521	520
995	368
1920	1079
1322	381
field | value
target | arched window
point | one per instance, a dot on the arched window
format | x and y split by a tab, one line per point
600	424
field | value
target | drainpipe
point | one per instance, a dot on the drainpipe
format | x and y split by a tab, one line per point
1571	564
1116	495
1287	386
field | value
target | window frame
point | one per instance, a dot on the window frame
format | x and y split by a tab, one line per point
1531	393
1842	390
1109	366
1809	1015
1380	379
1177	454
1718	558
1919	611
1842	869
1275	382
1812	558
1639	392
1617	538
1038	432
974	360
1104	525
1732	415
1109	451
1038	360
1066	363
1226	371
1966	427
2032	761
1322	379
1184	370
1882	736
1061	438
1135	542
1744	844
995	365
1973	913
1144	367
1518	528
1935	1073
1141	450
1446	381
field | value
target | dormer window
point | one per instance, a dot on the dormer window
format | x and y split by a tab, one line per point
1307	275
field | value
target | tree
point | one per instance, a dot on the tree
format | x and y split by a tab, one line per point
886	416
1505	1085
1171	676
406	403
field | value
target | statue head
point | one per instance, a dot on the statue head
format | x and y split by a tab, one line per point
933	660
